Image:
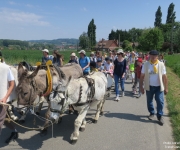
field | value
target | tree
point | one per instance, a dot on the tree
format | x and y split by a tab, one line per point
127	45
83	40
151	39
92	33
112	35
171	16
158	18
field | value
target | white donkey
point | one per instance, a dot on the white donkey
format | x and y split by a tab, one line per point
82	96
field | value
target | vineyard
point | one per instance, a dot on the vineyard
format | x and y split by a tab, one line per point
30	56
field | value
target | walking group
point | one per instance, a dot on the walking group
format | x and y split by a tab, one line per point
147	72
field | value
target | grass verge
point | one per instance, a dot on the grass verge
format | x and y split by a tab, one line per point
173	101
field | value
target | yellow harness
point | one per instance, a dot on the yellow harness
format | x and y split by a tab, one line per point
49	77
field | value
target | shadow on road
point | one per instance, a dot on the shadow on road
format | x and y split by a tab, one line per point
131	117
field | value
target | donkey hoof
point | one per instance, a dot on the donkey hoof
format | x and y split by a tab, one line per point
37	113
95	121
82	129
73	142
101	113
21	121
43	132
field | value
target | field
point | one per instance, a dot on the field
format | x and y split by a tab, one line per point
173	62
30	56
173	97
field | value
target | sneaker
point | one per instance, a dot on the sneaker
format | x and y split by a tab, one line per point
13	136
139	95
122	94
151	116
117	98
161	120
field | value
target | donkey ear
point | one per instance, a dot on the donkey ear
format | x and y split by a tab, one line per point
21	70
34	73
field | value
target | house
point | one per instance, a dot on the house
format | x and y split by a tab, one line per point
106	45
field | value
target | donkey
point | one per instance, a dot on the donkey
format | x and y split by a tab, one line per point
81	95
32	85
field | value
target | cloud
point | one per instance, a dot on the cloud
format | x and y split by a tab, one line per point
84	9
12	3
16	16
29	5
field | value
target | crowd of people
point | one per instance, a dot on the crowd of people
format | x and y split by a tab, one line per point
145	69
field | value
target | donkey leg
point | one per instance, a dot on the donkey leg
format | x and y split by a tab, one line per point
24	113
77	124
83	125
39	108
99	106
101	111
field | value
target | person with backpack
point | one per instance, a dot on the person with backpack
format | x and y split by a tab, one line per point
84	62
46	56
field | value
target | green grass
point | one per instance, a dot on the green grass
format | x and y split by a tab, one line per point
31	56
173	61
173	101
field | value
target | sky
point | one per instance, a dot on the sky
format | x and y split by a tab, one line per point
53	19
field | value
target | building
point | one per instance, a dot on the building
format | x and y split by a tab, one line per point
106	45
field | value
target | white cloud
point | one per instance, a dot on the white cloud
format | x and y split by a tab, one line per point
16	16
12	3
84	9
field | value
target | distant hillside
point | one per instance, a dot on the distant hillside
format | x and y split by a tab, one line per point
57	41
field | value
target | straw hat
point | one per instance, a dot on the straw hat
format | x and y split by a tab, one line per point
73	54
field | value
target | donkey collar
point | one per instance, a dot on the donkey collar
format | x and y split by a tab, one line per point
49	78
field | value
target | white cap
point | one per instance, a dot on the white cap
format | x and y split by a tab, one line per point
45	50
120	51
73	54
82	51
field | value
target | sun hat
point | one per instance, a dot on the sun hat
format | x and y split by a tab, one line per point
92	53
82	51
154	52
45	50
120	51
133	52
73	54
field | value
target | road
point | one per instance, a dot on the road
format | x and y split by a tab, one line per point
124	126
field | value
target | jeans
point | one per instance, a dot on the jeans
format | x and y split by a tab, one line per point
159	97
122	80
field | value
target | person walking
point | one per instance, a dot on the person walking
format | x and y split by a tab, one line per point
155	83
6	88
46	56
57	59
84	62
73	58
119	72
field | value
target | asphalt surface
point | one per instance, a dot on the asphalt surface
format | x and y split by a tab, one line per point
124	126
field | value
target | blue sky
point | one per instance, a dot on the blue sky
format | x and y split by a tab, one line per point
52	19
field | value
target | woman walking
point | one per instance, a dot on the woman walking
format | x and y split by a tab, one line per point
57	58
119	72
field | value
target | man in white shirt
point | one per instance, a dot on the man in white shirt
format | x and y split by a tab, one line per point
6	88
155	83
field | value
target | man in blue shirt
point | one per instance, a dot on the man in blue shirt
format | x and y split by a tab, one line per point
46	56
84	62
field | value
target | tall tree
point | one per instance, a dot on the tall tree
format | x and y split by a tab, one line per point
158	18
171	16
84	40
92	33
112	35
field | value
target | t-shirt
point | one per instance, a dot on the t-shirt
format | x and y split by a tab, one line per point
119	67
107	66
84	62
73	61
153	77
5	76
45	59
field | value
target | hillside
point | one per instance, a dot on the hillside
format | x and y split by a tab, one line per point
63	41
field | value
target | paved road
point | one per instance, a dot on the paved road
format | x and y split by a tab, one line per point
124	126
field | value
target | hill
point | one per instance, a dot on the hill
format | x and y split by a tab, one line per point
63	41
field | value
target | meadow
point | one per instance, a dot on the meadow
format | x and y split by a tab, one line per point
31	56
173	96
